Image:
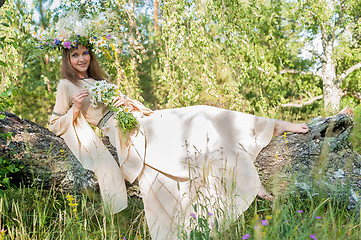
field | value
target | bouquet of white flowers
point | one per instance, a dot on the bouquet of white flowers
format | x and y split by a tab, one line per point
104	92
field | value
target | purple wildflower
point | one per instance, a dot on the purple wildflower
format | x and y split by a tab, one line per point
246	236
264	222
256	227
313	236
193	215
67	44
210	214
124	238
300	211
318	217
108	36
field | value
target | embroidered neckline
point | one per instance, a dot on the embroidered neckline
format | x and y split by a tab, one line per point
83	79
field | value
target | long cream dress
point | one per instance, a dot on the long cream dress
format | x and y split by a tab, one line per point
192	162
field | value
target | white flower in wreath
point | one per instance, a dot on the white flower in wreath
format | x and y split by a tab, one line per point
92	40
34	34
97	51
101	43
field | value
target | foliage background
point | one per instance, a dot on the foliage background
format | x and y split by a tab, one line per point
242	55
254	56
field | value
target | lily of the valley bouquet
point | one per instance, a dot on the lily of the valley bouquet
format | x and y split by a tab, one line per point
105	92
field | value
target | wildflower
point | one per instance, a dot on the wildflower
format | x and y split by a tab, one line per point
67	44
269	217
92	40
210	214
264	222
33	33
313	236
300	211
69	197
100	43
108	36
127	110
124	238
256	227
246	236
97	51
193	215
318	217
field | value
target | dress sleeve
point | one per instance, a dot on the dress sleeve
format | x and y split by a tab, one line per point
62	115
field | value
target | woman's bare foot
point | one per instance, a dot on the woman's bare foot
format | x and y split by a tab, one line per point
347	110
262	193
283	126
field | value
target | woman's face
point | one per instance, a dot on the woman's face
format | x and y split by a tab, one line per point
80	60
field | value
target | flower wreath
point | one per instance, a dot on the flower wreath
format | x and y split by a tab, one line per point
72	30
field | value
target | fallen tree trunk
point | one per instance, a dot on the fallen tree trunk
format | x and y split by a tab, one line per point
323	157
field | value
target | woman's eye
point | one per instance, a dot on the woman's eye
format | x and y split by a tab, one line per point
74	55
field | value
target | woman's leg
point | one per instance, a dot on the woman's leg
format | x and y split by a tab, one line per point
283	126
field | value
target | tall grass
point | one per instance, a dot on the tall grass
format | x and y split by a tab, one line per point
33	213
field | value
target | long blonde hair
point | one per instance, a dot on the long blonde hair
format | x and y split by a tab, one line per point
68	72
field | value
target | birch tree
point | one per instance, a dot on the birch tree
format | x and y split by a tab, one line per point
337	24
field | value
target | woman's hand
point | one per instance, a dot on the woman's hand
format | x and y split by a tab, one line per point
121	101
78	99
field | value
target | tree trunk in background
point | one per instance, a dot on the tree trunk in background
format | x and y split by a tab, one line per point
331	88
156	9
321	159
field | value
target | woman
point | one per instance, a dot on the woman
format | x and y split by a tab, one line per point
188	158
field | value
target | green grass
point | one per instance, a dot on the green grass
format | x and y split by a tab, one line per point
31	213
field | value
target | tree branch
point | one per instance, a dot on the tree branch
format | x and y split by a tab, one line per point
298	105
348	72
2	3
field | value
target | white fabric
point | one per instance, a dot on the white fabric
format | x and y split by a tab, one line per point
176	154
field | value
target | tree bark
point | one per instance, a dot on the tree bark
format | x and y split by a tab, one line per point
331	87
156	9
321	158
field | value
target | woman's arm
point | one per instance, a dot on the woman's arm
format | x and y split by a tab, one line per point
132	104
62	115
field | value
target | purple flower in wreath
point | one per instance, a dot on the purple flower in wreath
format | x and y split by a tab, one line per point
56	42
67	44
108	36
